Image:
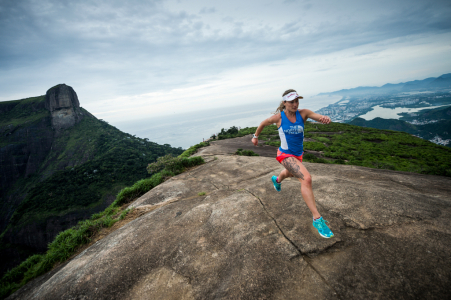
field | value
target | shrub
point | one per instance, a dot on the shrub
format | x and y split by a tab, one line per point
246	152
124	213
308	156
191	150
314	146
231	131
17	273
321	161
139	188
322	139
162	162
273	143
339	161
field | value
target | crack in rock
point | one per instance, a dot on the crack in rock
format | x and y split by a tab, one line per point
303	255
275	222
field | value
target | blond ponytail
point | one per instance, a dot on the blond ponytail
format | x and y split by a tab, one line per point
280	108
282	105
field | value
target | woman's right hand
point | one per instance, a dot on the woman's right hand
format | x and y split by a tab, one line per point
255	141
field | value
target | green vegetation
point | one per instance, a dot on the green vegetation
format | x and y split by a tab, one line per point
426	131
245	152
322	139
191	150
314	146
119	159
232	132
308	157
172	166
201	194
22	111
63	246
439	113
69	241
85	168
368	147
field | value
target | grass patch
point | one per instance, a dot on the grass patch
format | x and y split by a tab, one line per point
273	143
308	157
364	146
191	150
67	242
322	139
19	112
314	146
246	152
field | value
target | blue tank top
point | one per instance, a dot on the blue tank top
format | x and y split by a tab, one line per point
292	135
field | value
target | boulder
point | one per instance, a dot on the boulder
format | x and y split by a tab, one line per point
244	240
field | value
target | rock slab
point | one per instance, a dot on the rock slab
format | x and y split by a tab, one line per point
243	240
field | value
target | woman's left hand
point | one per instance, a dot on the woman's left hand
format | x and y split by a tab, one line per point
324	119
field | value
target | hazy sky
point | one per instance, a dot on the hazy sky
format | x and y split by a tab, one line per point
130	59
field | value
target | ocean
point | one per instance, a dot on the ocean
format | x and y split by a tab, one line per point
185	130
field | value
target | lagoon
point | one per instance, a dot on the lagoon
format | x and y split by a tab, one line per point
392	113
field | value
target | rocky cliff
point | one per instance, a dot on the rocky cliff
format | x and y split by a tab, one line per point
59	165
29	129
63	104
221	231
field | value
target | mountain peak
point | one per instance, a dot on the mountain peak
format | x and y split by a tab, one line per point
61	96
62	102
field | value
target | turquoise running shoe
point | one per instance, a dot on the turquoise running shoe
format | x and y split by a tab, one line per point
277	185
323	229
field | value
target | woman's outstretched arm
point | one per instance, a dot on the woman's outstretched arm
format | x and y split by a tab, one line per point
271	120
307	113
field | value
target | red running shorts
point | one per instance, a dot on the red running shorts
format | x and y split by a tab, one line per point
281	156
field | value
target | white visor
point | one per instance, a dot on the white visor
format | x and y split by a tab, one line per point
291	96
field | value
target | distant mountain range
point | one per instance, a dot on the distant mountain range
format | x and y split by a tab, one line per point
432	95
428	84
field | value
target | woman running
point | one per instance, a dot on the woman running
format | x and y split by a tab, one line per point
290	123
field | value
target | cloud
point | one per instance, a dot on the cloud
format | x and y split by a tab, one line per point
207	10
312	75
123	50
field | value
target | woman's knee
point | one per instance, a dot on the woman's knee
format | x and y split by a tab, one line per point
307	180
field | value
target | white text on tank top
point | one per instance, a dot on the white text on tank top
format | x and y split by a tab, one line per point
291	135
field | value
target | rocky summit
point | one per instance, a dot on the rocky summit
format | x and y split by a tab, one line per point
221	231
63	104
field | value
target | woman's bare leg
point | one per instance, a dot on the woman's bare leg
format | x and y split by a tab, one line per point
296	169
284	174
